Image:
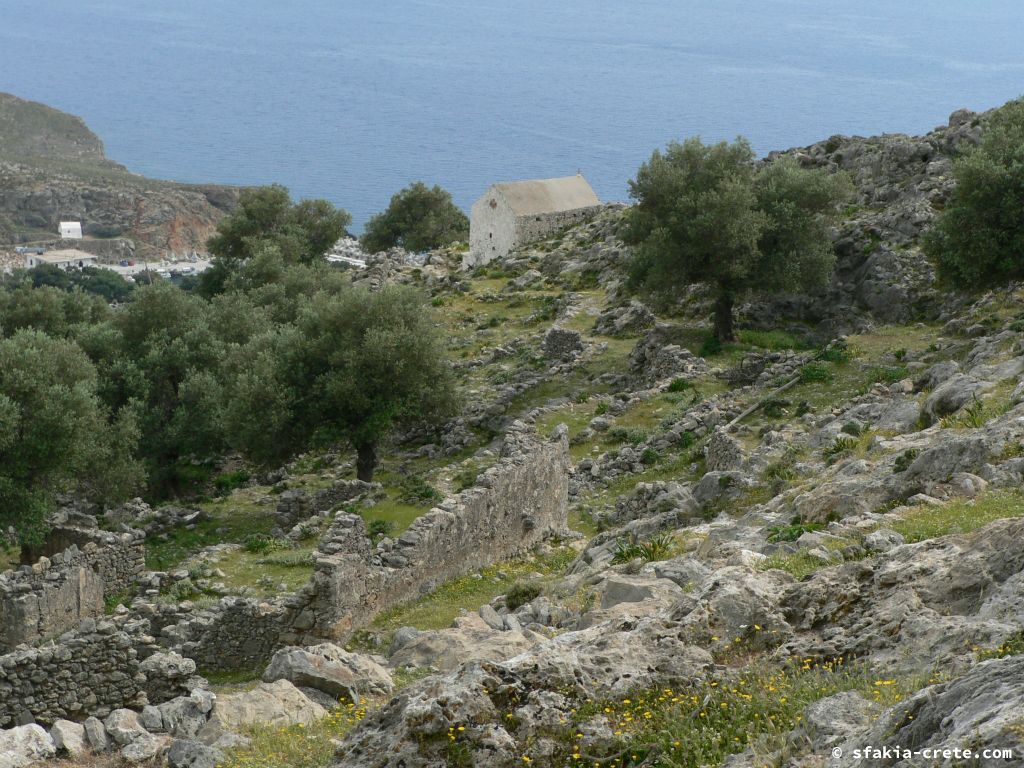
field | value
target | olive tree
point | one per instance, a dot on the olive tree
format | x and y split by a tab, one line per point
709	214
55	435
353	368
418	218
977	241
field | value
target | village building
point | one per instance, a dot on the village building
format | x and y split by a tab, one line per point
511	214
71	230
68	258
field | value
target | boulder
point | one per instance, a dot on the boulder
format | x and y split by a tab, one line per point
979	710
330	669
952	395
490	617
446	649
276	704
145	748
123	726
834	719
621	588
192	754
69	738
96	734
25	745
185	716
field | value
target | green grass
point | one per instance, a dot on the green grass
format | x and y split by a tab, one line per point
293	567
296	746
774	341
438	609
918	524
231	520
960	516
702	724
801	564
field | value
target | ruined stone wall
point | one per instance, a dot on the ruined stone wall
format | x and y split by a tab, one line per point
238	633
91	671
118	558
43	600
515	505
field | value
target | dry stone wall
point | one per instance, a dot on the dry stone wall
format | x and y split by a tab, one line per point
515	505
45	599
118	558
91	671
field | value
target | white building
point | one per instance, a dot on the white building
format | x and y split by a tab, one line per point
71	230
513	213
69	258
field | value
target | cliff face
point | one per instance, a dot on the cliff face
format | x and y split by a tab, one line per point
53	168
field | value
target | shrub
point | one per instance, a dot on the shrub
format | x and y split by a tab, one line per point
416	490
840	447
791	532
978	239
650	456
418	218
904	460
520	594
853	428
837	353
774	407
815	372
710	347
601	409
679	385
631	435
261	544
378	529
229	481
658	548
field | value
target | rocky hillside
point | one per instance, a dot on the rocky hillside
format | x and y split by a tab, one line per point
775	553
53	168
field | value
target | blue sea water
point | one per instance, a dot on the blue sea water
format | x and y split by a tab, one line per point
353	99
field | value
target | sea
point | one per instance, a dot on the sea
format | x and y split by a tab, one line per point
351	100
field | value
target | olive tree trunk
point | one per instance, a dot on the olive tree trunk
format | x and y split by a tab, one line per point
366	461
724	330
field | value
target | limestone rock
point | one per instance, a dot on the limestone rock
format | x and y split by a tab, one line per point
979	710
123	726
96	734
446	649
330	669
192	754
69	738
276	704
25	745
144	748
185	716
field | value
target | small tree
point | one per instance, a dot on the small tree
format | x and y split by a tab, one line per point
978	240
266	216
54	435
354	367
706	214
418	219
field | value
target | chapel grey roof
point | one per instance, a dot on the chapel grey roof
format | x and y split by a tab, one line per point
527	198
